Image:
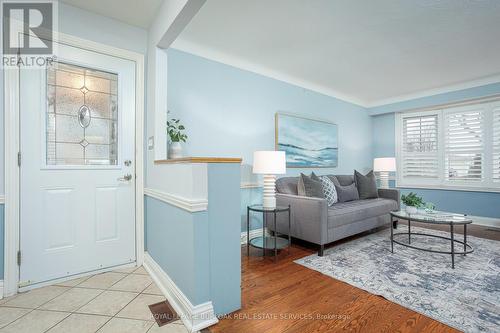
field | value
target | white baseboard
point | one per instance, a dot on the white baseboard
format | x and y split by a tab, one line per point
1	289
485	221
194	317
253	233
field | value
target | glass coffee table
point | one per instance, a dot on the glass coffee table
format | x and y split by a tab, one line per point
436	218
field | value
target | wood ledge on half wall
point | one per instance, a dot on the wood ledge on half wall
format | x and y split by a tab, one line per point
200	160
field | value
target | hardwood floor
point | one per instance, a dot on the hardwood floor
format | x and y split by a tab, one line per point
287	297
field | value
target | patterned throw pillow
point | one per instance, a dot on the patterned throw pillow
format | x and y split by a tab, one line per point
329	190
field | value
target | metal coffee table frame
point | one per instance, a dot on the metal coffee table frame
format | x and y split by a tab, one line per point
269	242
432	219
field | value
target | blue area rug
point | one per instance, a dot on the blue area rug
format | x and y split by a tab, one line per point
466	298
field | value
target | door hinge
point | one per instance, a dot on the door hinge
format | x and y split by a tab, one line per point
18	258
19	159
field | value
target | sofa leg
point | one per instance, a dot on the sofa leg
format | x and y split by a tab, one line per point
321	250
395	224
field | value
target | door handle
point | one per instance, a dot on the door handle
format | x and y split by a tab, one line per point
126	178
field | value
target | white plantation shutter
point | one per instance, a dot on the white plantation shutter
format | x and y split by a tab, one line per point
419	155
455	147
496	144
464	145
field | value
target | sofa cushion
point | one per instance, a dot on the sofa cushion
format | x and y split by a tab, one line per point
287	185
367	185
348	212
347	193
309	187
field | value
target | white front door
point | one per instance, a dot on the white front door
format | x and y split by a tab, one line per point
77	120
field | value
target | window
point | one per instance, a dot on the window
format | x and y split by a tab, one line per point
496	143
456	147
463	132
82	116
420	147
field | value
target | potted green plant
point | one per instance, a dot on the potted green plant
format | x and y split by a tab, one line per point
412	202
175	131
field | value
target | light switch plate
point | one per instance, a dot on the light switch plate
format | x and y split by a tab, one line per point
151	143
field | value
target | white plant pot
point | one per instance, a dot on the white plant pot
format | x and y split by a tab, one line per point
411	210
174	150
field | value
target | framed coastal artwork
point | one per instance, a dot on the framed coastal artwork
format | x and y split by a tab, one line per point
308	143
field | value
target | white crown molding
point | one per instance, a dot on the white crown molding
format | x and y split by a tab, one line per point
2	199
431	92
191	205
194	317
233	61
217	56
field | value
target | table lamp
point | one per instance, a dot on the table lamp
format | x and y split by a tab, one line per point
384	165
269	164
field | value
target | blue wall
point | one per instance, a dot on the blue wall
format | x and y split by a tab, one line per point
224	242
170	242
383	135
230	112
470	203
250	196
473	203
2	237
201	251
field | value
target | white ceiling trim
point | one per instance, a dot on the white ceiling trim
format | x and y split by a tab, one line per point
436	91
226	59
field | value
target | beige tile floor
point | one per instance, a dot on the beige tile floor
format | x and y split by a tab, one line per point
112	302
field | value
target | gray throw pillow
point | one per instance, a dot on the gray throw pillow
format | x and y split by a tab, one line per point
308	187
314	177
347	193
367	185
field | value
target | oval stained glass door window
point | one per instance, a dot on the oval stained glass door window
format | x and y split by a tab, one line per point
84	116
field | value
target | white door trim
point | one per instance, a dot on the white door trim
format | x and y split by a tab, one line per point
11	142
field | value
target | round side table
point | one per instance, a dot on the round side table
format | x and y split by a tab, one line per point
264	242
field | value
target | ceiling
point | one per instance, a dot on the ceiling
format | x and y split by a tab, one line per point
364	51
139	13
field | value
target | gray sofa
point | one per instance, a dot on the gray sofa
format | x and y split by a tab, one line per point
314	221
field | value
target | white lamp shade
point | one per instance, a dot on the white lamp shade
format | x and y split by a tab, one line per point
384	164
269	162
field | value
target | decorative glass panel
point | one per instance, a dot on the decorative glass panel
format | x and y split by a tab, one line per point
82	116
